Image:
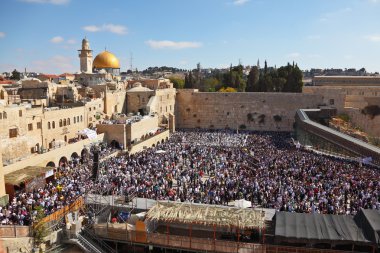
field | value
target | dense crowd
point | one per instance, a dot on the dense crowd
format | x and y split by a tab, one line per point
215	168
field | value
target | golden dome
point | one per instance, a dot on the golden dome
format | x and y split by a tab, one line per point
106	60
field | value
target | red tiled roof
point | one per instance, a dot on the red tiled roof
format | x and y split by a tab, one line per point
49	76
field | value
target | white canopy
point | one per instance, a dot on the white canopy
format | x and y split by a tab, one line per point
91	134
242	203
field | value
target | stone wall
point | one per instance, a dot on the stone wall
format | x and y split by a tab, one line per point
115	132
368	125
151	142
254	111
53	155
140	130
114	102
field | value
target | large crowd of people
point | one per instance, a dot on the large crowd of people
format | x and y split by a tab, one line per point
214	167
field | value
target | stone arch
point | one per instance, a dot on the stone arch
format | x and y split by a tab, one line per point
74	155
62	161
84	154
115	144
50	164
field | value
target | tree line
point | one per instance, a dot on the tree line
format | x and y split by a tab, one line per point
268	79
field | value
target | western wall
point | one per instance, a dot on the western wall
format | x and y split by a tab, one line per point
249	110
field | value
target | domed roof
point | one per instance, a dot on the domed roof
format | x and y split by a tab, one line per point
106	60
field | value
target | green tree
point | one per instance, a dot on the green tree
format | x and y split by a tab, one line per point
189	81
40	230
210	84
15	75
179	83
253	79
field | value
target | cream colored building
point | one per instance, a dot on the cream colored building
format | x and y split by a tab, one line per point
350	95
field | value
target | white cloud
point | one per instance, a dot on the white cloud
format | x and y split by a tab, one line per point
118	29
56	2
71	41
163	44
2	34
294	55
373	37
240	2
56	65
57	39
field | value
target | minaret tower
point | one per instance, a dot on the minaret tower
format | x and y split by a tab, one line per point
85	56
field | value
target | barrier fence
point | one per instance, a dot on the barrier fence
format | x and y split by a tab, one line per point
196	243
61	213
13	231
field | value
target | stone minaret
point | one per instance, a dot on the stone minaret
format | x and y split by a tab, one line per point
85	56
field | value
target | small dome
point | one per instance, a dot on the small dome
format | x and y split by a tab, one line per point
106	60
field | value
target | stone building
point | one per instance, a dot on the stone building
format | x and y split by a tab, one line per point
350	95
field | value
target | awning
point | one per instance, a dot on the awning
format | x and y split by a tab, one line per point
91	134
27	174
317	228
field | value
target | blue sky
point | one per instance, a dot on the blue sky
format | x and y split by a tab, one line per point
44	35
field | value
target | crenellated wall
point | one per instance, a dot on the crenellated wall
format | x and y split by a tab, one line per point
255	111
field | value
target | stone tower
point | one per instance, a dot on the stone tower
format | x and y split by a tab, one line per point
85	56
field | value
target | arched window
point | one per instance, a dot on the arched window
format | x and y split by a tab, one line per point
53	124
68	121
49	125
81	118
64	122
4	115
75	120
60	123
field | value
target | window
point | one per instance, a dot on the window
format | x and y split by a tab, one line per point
90	118
90	109
53	125
30	127
167	96
75	120
170	107
331	101
68	121
4	115
81	118
20	113
49	125
60	123
1	116
39	125
64	122
13	133
166	109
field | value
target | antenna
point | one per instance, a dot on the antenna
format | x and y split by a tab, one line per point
131	66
